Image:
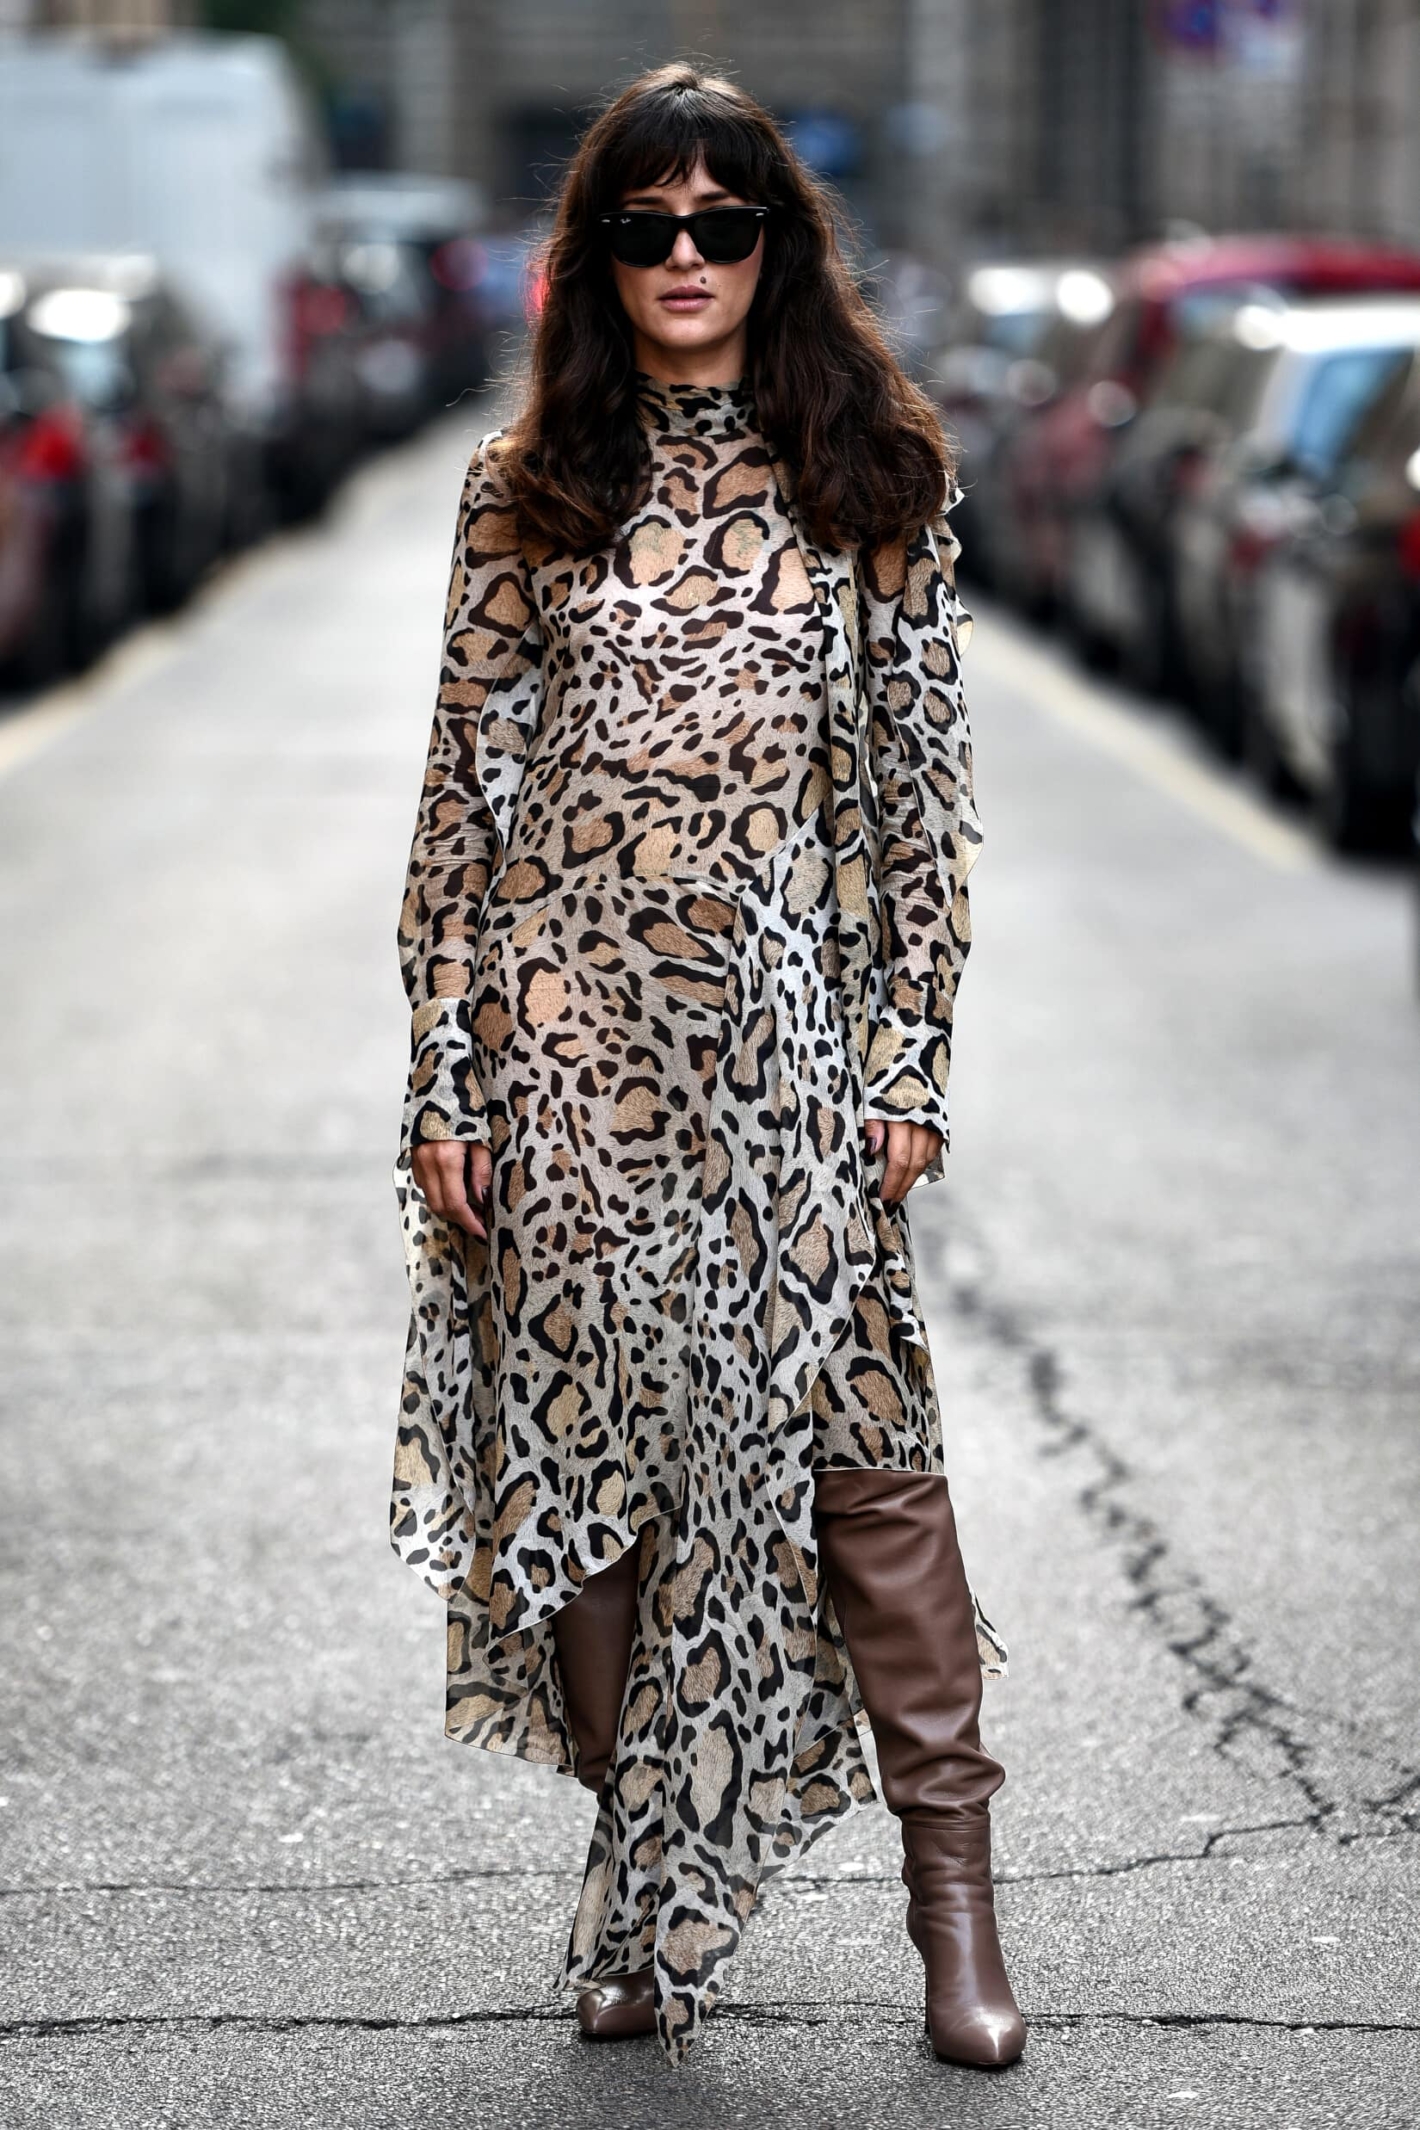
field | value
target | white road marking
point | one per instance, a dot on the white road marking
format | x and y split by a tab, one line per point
999	653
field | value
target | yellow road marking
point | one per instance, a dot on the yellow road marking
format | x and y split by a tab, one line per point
999	653
31	729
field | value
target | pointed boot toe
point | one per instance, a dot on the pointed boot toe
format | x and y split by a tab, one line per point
618	2008
985	2038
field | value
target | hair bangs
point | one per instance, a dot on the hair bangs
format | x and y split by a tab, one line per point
671	132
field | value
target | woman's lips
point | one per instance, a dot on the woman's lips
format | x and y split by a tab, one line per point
690	299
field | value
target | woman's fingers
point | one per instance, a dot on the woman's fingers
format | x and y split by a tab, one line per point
926	1145
909	1149
480	1165
897	1174
443	1169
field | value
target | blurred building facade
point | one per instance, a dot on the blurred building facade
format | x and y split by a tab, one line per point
950	126
139	18
1085	124
499	92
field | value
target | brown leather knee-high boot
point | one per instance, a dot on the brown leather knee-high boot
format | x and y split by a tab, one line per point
593	1637
888	1546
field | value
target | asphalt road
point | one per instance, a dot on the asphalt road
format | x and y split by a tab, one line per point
1173	1287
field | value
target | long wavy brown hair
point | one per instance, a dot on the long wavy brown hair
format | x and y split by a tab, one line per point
865	447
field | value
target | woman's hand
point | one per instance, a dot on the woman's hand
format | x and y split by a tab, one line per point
454	1178
909	1149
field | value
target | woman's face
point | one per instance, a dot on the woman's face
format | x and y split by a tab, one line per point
687	316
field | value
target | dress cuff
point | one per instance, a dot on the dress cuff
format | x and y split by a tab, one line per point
905	1077
445	1099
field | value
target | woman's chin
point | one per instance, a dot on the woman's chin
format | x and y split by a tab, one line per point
686	330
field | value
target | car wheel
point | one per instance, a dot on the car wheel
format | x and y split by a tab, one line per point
1150	659
1090	644
1355	812
1222	716
44	656
1261	754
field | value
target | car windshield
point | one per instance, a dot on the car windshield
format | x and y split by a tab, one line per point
1336	396
95	371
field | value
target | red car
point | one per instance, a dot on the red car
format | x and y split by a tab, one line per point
1053	465
67	556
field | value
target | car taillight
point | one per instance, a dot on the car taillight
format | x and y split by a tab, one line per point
146	448
313	310
1248	547
52	449
320	309
1410	545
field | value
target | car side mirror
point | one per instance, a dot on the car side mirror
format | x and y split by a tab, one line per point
1268	462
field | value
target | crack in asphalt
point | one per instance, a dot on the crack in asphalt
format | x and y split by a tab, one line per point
856	2010
285	1886
1252	1724
200	1888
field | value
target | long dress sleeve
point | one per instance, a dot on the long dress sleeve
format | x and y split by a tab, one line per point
928	830
491	640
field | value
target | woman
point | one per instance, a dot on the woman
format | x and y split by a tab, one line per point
685	917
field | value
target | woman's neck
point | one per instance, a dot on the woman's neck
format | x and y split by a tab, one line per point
723	362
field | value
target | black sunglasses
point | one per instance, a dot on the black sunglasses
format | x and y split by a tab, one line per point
722	235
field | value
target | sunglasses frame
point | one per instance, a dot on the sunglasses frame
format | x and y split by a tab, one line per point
679	222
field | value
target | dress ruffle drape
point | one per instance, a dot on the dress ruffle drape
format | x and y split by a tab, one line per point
819	985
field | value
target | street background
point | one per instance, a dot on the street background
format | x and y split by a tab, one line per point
1171	1279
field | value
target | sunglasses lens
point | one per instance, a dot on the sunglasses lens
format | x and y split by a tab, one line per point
642	239
725	235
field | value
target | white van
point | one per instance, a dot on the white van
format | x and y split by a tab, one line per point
197	148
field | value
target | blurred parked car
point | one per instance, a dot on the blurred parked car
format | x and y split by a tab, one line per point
1299	380
67	548
1118	599
148	370
989	369
1022	525
325	333
410	250
1336	702
1059	528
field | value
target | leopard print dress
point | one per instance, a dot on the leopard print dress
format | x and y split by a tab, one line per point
680	1312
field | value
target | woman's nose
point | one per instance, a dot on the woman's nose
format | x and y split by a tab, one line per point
683	252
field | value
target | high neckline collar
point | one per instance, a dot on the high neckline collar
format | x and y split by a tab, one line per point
713	413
